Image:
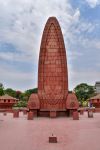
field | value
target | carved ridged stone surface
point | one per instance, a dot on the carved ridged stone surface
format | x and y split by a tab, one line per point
52	70
72	102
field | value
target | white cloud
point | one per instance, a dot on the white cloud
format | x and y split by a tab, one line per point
90	43
74	55
10	56
76	15
85	27
16	79
76	77
93	3
22	23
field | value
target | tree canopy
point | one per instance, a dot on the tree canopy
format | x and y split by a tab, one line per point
84	91
1	85
10	92
1	89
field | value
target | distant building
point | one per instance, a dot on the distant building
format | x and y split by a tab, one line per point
97	87
95	101
7	102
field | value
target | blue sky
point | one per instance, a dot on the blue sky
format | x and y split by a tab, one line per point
21	27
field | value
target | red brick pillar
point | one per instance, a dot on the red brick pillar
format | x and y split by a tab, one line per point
5	113
24	112
70	113
30	115
53	114
52	139
16	113
36	113
75	115
81	112
90	113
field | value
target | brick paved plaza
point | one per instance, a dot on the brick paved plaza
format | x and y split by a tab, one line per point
21	134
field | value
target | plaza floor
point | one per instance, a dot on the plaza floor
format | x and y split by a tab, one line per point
21	134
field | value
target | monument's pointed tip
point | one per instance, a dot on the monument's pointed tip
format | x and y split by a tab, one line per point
52	18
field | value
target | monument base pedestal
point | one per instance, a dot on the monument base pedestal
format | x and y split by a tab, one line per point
35	113
53	114
90	114
30	115
24	112
81	112
5	114
16	114
53	139
75	115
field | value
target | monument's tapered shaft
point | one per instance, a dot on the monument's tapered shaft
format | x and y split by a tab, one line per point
52	71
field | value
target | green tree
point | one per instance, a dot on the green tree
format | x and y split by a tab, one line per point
1	85
1	91
30	91
18	93
21	104
84	91
23	97
10	92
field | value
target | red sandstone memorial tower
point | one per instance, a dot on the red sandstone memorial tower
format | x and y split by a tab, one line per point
52	93
52	73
